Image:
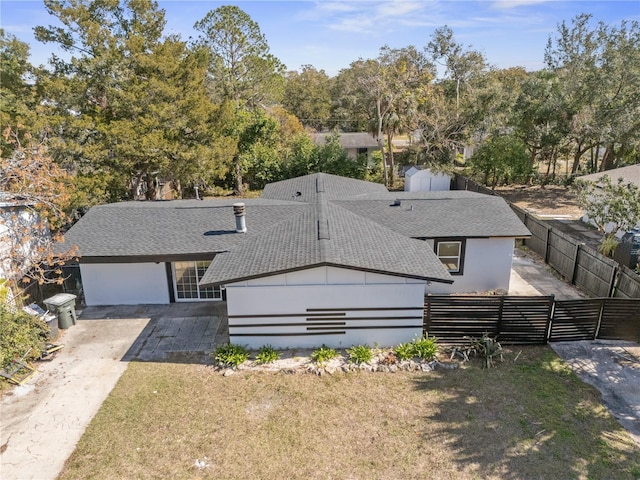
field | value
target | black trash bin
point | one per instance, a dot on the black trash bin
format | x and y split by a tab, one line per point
64	306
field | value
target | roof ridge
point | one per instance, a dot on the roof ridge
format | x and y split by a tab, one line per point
322	221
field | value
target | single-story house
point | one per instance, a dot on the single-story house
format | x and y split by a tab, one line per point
417	179
316	259
629	175
358	143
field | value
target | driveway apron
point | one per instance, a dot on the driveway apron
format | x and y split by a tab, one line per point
43	419
613	367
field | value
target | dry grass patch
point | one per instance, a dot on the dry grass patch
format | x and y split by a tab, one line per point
531	418
543	200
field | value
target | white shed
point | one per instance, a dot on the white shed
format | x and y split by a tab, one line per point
417	180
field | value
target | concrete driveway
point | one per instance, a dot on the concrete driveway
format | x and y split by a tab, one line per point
613	367
43	419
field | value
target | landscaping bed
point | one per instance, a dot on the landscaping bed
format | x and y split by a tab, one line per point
529	417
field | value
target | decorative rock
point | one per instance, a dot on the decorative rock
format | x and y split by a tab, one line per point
447	365
383	361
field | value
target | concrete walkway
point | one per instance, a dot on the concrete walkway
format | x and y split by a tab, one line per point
43	419
178	333
530	276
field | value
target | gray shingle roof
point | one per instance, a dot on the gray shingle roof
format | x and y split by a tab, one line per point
442	214
334	187
326	234
334	221
348	140
181	227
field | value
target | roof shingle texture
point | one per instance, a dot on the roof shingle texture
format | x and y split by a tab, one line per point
308	221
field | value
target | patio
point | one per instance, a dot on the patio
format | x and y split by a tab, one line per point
177	333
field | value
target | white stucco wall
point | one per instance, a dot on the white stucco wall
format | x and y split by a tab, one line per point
487	266
16	223
325	305
124	283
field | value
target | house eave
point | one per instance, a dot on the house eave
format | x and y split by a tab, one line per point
89	259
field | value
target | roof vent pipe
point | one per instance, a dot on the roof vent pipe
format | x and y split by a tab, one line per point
238	211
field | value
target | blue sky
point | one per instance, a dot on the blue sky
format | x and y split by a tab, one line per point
331	34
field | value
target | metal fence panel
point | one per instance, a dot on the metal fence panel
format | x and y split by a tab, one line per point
575	320
451	319
620	320
525	320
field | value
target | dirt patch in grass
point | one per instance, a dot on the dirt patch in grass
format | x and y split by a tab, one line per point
548	200
528	418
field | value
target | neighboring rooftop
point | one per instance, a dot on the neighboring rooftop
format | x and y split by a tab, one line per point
347	140
628	174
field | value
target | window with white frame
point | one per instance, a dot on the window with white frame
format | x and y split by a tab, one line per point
451	254
187	276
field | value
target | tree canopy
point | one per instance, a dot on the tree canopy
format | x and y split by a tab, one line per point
129	106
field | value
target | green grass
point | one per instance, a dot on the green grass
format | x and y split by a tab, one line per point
531	418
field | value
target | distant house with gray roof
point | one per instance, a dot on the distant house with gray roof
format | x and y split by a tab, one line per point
323	259
358	143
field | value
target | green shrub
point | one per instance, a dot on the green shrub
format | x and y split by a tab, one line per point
267	354
359	354
404	351
608	245
20	333
487	348
424	348
324	354
230	355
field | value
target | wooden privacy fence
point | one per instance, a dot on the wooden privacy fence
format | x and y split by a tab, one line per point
530	320
593	273
578	264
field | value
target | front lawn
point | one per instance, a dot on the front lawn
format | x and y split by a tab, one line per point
528	418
